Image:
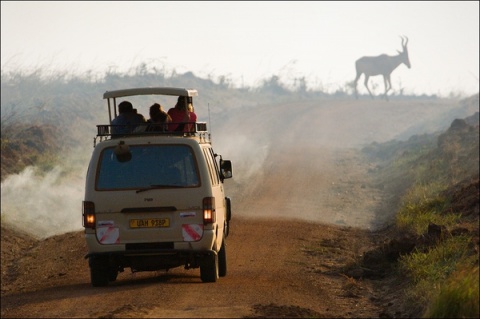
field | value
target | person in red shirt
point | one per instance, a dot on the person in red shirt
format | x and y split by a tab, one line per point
183	116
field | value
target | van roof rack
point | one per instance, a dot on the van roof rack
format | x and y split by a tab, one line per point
199	130
150	91
111	96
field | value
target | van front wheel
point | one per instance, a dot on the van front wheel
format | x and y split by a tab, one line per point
209	268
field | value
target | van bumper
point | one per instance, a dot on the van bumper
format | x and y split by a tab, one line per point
149	260
155	252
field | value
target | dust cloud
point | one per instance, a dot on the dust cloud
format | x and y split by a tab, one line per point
49	203
44	204
299	160
290	160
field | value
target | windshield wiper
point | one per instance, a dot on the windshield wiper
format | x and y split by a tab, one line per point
158	186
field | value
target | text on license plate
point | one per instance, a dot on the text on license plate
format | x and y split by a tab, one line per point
154	222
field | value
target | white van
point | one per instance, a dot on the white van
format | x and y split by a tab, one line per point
155	200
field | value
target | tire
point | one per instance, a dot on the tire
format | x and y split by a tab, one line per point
99	274
229	215
222	261
112	274
209	268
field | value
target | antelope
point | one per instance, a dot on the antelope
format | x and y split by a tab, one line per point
381	65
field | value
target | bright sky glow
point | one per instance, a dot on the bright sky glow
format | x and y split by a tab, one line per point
250	41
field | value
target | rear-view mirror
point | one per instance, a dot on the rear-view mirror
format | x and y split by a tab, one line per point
225	169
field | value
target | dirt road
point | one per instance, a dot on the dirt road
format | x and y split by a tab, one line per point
303	202
276	266
266	277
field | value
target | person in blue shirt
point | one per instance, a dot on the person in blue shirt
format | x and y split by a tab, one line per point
127	119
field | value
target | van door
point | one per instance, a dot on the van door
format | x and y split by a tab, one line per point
217	191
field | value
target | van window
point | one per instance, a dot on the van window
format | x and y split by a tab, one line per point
150	165
211	168
217	170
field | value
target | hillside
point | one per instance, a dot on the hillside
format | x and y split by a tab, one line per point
356	268
320	178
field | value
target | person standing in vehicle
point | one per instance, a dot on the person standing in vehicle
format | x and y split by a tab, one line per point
183	116
127	119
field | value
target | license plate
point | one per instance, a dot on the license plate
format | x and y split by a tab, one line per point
149	223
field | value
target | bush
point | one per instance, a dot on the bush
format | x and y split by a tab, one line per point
458	297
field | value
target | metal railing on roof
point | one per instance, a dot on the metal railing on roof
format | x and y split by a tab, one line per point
184	129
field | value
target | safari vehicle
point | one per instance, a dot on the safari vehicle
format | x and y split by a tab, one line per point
155	200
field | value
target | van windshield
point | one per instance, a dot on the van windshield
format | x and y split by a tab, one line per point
162	166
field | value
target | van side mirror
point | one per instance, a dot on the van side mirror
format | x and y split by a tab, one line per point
225	169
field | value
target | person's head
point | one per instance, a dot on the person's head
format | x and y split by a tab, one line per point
155	109
157	114
181	103
125	107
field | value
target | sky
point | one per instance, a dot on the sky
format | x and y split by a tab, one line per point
249	42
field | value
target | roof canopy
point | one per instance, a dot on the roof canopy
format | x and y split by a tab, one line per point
150	91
